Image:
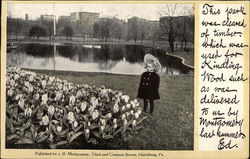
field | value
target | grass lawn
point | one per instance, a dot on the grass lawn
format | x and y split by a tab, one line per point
170	127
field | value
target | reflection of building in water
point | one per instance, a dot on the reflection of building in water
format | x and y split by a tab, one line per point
126	59
21	59
170	71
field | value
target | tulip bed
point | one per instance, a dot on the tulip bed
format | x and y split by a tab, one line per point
46	110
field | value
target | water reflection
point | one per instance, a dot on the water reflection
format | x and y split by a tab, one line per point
121	59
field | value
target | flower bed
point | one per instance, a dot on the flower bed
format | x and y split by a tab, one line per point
46	110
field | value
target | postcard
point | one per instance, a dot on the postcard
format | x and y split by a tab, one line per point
125	79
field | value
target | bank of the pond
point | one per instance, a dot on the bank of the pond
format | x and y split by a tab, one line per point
187	56
170	127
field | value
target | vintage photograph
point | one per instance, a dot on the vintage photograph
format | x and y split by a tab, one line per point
99	76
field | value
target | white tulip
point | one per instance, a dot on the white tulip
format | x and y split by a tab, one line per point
109	115
89	124
87	131
127	114
44	99
72	100
21	103
136	115
133	104
37	96
125	98
102	127
19	96
114	120
123	116
71	117
123	108
139	111
83	106
45	120
28	112
119	93
94	101
75	124
31	78
134	123
116	108
16	77
60	86
78	94
128	106
51	110
43	83
132	112
125	122
10	92
59	128
115	125
95	114
12	83
103	122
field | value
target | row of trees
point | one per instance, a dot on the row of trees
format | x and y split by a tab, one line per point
107	28
35	28
174	26
177	28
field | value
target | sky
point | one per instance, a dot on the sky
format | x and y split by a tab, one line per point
121	11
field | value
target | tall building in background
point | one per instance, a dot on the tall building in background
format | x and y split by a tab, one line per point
26	17
84	22
47	17
136	28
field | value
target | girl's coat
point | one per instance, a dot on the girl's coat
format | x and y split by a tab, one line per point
149	85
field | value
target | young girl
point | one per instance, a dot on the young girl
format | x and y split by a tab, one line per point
149	84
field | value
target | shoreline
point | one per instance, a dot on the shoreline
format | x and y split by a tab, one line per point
182	60
185	61
79	73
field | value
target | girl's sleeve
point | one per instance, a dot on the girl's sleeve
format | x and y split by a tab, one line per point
157	82
139	89
141	80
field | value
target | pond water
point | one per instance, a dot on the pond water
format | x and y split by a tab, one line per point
119	59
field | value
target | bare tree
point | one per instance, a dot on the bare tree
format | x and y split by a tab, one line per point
187	29
48	26
168	24
133	28
142	25
68	32
16	23
102	28
37	31
153	31
117	28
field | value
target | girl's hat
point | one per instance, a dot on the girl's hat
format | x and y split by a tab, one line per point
148	58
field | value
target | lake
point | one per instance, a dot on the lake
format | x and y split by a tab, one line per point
111	58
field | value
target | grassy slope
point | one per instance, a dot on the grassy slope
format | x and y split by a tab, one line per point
171	126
